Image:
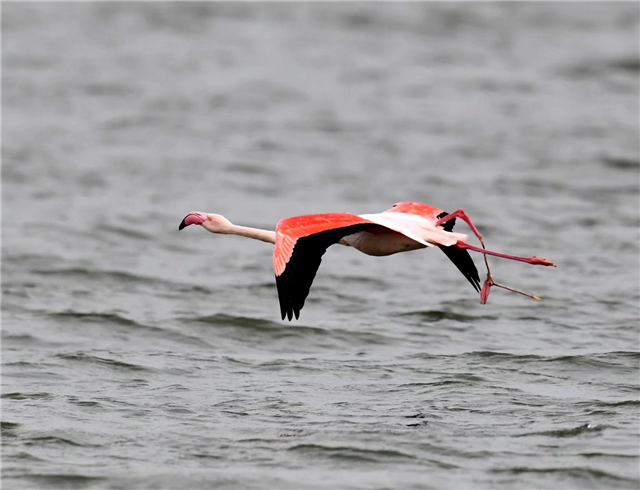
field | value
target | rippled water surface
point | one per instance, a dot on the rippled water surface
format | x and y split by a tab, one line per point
137	356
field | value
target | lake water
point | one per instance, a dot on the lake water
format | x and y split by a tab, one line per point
137	356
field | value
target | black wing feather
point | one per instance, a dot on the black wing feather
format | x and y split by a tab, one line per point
460	257
295	281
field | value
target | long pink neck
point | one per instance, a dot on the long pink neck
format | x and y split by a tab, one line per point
257	234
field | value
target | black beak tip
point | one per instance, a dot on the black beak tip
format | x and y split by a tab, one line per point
182	224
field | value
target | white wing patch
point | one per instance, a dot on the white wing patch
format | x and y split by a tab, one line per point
418	228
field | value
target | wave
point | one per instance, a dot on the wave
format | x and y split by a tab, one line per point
57	480
433	316
568	432
103	361
599	359
262	328
249	323
56	440
84	273
27	396
88	274
604	478
111	318
349	453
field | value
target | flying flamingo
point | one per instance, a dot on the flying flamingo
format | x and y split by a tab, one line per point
300	242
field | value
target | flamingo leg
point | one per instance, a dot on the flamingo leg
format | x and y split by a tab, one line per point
528	260
489	282
462	214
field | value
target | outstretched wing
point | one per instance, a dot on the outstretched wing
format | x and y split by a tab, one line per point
460	257
301	242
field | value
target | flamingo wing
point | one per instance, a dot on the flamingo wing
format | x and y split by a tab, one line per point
420	229
418	222
460	257
301	242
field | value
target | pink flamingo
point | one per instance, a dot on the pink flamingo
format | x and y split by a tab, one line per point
301	241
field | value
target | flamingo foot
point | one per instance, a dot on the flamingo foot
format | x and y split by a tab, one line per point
486	289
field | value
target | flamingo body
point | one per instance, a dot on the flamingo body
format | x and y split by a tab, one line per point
301	241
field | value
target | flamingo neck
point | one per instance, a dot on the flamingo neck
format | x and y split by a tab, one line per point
255	233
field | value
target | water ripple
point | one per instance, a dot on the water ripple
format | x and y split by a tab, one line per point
258	328
81	357
569	432
349	453
433	316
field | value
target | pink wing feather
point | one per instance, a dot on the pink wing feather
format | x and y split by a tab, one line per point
300	243
289	230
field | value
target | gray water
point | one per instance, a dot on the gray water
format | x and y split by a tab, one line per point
137	356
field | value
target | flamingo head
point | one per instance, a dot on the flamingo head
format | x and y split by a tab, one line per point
212	222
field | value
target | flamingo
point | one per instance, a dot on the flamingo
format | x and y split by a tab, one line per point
301	241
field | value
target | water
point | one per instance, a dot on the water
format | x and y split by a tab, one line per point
137	356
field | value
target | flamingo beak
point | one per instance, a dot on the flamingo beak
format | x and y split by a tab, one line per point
194	218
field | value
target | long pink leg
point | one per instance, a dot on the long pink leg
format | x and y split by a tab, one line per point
462	214
489	282
529	260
